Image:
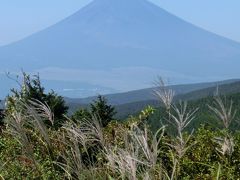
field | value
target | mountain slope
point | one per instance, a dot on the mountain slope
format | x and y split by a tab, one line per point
116	43
148	94
120	33
124	110
204	116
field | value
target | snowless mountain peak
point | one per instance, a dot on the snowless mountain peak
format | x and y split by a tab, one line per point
117	43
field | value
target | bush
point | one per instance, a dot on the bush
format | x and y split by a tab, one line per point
32	90
98	108
117	150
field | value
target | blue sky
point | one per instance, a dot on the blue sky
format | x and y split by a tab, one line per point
22	18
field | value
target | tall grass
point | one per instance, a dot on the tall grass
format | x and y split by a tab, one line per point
84	150
225	113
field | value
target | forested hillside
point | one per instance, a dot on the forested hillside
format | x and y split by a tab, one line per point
204	115
198	139
132	108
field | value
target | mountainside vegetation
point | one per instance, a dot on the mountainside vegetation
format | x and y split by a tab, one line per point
135	104
124	110
31	90
198	139
204	114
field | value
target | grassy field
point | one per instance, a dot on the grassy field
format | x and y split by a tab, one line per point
182	144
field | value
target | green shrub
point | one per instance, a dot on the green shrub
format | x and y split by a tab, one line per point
31	89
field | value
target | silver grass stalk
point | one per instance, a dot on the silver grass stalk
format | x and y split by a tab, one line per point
150	148
163	93
123	161
181	118
226	114
78	136
226	145
37	112
223	111
94	129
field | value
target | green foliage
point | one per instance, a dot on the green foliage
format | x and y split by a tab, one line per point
81	115
15	164
31	89
98	108
76	144
104	111
203	116
91	145
1	118
57	106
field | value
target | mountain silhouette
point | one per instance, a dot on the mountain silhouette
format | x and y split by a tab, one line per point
126	34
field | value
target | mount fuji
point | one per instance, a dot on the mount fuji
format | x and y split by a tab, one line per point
121	45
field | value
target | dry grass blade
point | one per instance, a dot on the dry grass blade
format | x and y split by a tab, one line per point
123	161
223	111
183	117
226	144
43	110
163	93
37	112
15	125
79	138
72	164
180	145
94	129
150	148
17	121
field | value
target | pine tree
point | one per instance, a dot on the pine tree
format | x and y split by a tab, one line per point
101	109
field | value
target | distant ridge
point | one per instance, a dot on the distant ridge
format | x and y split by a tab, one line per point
124	110
187	93
191	90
